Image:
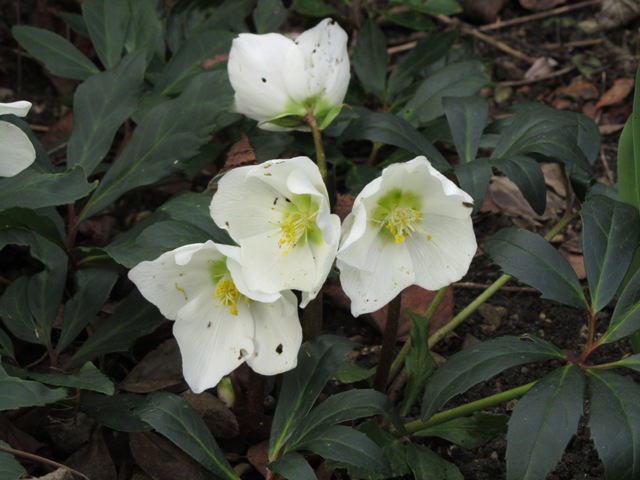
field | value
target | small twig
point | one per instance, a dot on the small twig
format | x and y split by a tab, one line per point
482	286
607	169
538	16
589	42
519	83
474	32
39	459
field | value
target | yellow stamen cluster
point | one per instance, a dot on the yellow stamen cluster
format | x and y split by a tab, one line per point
227	293
401	222
294	226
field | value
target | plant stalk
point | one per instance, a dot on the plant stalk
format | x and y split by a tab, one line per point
466	409
321	158
388	344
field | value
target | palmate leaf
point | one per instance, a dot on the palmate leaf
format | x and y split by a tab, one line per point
133	318
100	106
347	445
32	189
427	465
10	468
174	418
87	378
107	22
29	305
318	360
467	117
614	421
370	58
542	423
145	30
474	179
481	362
533	261
339	408
626	315
18	393
460	79
293	465
59	56
610	235
393	130
169	134
469	432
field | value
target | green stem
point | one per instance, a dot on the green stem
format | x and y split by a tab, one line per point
388	344
321	158
404	351
466	409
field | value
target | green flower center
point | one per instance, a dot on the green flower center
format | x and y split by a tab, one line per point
298	224
225	292
400	214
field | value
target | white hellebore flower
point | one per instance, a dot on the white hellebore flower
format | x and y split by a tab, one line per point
279	214
219	323
278	80
16	150
410	226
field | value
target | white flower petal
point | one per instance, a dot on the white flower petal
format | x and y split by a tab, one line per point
318	64
212	341
278	336
176	277
19	109
16	150
256	74
446	257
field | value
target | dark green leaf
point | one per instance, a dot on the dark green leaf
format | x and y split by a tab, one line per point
314	8
114	411
46	222
169	134
419	363
474	179
93	286
394	130
6	346
469	432
610	235
527	175
614	421
632	362
293	466
542	423
410	19
346	445
467	117
628	164
339	408
318	360
426	465
10	468
33	189
75	22
370	58
59	56
427	51
479	363
269	16
432	7
187	62
100	106
350	373
133	318
87	378
107	22
29	305
626	316
533	261
18	393
145	29
459	79
172	416
358	176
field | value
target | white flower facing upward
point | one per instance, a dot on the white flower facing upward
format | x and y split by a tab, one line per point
278	80
219	322
16	150
410	226
279	214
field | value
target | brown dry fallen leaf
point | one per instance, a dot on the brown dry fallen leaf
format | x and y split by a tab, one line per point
160	368
620	89
218	417
240	154
94	459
